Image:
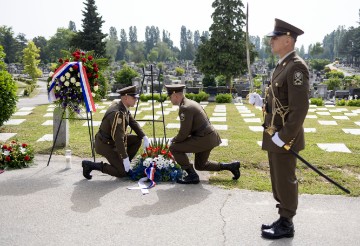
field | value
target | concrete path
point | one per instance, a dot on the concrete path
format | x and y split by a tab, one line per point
51	205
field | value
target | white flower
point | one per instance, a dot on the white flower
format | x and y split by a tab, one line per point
62	78
71	69
96	88
6	152
73	80
67	75
51	74
77	84
67	83
57	88
22	150
93	94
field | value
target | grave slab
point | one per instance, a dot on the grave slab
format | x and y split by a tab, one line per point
95	123
22	113
218	119
309	130
173	126
165	112
14	122
334	147
5	136
46	137
26	109
340	117
219	114
327	122
311	110
311	116
103	111
352	131
224	143
204	103
351	114
322	109
247	115
259	143
256	128
252	120
335	111
323	113
48	115
50	109
150	117
219	110
47	123
357	123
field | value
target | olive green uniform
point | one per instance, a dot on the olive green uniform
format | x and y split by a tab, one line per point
196	135
114	143
286	105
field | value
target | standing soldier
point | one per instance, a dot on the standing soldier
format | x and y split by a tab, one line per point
196	135
286	106
113	141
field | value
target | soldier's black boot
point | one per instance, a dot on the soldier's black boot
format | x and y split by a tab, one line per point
284	228
88	166
269	226
233	167
191	178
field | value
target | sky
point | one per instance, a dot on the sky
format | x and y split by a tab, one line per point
316	18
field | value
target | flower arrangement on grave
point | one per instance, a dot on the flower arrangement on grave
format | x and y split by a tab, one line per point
15	155
74	82
159	156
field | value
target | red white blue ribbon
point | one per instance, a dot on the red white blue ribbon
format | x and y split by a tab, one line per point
150	175
84	82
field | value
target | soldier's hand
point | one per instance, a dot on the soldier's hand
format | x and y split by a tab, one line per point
126	163
146	142
276	140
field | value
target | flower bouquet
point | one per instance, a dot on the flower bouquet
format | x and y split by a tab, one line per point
15	155
68	91
159	156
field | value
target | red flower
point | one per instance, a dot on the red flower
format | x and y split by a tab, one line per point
90	58
27	158
24	145
4	146
96	69
95	65
96	76
67	60
96	84
163	152
75	67
83	60
9	148
7	158
61	60
89	75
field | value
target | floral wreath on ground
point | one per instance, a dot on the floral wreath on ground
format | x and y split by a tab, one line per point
15	155
68	91
159	155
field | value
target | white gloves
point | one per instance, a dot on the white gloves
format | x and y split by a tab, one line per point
126	163
276	140
146	142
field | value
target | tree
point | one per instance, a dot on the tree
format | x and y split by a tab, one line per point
41	43
31	62
91	37
72	26
316	50
112	44
8	89
125	75
123	45
10	45
225	52
60	41
133	35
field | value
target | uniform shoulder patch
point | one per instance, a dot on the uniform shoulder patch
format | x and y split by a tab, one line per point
182	116
298	78
119	120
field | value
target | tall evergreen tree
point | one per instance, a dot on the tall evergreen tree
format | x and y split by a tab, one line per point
112	44
41	43
225	52
133	35
183	42
91	37
72	26
123	45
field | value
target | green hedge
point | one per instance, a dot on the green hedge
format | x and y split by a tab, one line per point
200	97
223	98
147	97
317	101
351	103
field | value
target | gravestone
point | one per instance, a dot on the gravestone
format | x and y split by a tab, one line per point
63	135
322	90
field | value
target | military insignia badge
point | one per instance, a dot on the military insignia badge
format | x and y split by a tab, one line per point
298	78
182	116
119	121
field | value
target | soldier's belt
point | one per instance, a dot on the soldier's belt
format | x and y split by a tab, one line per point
203	127
105	138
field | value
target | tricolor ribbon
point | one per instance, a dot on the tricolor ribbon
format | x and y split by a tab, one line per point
84	82
150	175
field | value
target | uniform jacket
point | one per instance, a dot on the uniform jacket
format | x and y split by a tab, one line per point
195	123
290	84
113	127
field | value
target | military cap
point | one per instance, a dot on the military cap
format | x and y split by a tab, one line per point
129	91
174	88
284	28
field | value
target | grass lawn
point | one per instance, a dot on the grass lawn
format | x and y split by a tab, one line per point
344	168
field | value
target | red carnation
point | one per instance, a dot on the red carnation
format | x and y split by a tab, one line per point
83	60
90	58
77	57
96	76
95	65
96	69
4	146
7	158
24	145
67	60
82	53
27	158
61	60
89	75
75	67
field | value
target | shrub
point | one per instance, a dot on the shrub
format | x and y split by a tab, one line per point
147	97
353	103
317	101
340	102
8	96
223	98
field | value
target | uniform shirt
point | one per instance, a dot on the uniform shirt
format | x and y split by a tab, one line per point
290	84
114	124
194	122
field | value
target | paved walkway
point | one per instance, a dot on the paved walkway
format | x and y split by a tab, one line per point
51	205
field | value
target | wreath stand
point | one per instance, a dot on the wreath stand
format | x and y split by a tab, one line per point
150	74
90	128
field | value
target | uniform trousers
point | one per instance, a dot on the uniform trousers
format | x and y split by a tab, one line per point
284	182
201	151
116	166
